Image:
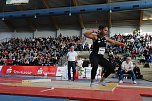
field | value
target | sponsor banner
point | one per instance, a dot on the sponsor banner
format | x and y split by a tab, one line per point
37	71
30	70
62	72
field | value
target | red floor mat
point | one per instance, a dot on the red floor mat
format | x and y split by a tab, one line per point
119	94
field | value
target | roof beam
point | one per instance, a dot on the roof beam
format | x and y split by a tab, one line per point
109	15
52	18
45	3
75	2
108	1
141	17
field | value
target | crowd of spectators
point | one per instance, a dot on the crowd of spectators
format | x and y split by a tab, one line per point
48	51
36	51
138	47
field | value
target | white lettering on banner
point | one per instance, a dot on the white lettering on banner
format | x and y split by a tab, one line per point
40	71
29	70
22	72
9	70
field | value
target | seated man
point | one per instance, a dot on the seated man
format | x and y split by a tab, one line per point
127	67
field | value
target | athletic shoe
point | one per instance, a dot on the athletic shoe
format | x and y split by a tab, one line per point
134	82
69	80
103	83
120	81
92	84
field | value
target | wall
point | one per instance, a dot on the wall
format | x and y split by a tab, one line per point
113	30
35	34
4	32
45	34
3	27
4	36
146	29
64	32
121	30
69	32
23	35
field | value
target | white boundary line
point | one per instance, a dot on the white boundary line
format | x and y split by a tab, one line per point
47	89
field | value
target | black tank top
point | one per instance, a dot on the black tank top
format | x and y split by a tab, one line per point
100	42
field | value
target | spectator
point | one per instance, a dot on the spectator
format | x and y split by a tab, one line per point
71	60
79	62
127	67
86	46
142	59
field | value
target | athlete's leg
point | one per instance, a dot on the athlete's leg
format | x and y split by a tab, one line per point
94	65
108	67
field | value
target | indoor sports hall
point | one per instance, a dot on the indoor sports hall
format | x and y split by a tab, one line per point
75	50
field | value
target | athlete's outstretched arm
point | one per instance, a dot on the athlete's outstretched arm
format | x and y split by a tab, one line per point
89	34
116	42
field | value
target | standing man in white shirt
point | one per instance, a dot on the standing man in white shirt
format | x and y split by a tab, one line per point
127	67
71	60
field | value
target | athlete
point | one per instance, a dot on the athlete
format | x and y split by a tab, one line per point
100	40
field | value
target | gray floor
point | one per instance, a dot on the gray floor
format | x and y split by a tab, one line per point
139	81
27	98
127	81
147	98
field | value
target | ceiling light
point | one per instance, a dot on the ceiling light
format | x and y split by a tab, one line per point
35	16
70	14
149	18
3	19
145	18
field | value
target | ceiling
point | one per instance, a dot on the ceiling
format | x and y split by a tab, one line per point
121	18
